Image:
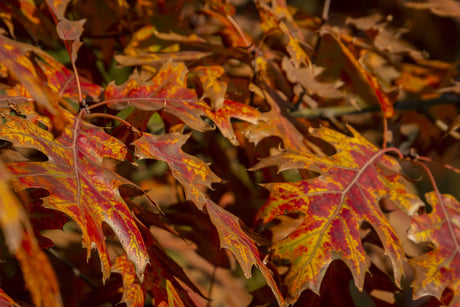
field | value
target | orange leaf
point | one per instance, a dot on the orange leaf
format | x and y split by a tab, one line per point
333	207
439	268
14	57
38	274
212	87
335	56
133	294
231	109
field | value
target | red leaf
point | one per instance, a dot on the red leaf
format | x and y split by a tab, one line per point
243	247
191	172
7	301
167	90
78	184
439	268
161	273
333	207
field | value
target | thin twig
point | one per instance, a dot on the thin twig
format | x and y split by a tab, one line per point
95	115
398	106
51	251
327	5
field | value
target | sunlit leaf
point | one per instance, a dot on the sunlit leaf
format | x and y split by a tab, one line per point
212	87
78	184
333	206
14	57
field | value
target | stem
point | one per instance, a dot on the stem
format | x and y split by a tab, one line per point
327	5
385	132
104	115
398	105
448	166
238	29
211	284
77	78
51	251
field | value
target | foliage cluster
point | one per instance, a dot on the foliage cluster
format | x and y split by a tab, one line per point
240	153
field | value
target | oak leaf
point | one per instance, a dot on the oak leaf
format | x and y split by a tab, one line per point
243	247
133	294
191	172
439	268
14	57
78	184
168	91
38	273
337	58
333	206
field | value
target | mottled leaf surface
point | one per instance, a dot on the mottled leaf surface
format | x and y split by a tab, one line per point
133	294
167	90
243	247
192	173
334	205
78	184
439	268
14	57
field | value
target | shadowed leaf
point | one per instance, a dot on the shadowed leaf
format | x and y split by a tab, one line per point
133	294
243	247
439	268
192	173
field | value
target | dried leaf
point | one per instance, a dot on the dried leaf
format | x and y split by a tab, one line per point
363	82
443	8
334	205
68	30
